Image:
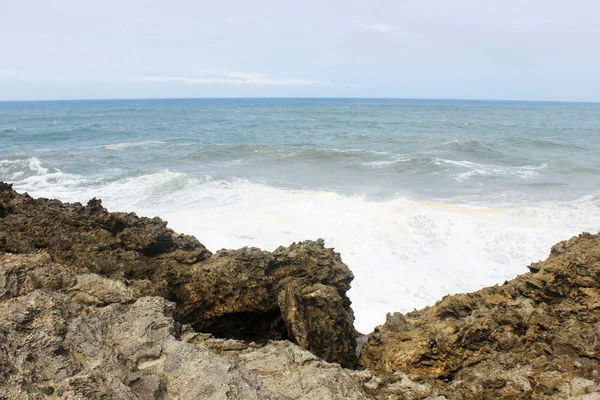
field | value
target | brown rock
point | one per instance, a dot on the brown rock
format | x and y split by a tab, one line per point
106	305
315	315
100	258
525	339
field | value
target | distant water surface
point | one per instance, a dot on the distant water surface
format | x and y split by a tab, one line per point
421	197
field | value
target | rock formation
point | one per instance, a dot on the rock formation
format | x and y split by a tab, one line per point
537	336
99	305
93	303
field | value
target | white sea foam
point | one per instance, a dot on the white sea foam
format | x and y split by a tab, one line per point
15	168
28	174
126	145
231	163
383	164
476	169
364	151
405	253
379	164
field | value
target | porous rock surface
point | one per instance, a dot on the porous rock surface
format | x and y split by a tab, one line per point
94	305
535	337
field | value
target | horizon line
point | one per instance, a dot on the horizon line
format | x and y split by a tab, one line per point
303	98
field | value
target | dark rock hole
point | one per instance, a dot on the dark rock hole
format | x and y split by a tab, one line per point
259	327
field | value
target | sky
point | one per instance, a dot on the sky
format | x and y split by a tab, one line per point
468	49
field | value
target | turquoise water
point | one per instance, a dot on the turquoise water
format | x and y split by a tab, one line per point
454	150
465	191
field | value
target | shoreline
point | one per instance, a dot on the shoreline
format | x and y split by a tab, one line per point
86	264
481	246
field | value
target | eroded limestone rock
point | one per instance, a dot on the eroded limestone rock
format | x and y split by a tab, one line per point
101	305
101	258
537	336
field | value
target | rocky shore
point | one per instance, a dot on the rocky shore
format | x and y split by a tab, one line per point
100	305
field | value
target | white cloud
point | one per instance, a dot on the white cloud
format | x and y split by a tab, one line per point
394	33
232	78
187	80
19	76
376	26
203	77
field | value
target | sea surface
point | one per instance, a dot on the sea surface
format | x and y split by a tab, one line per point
422	198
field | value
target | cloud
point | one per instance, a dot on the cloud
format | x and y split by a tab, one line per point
208	76
19	76
376	26
187	80
231	78
394	33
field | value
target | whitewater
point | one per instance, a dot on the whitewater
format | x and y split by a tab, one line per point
421	198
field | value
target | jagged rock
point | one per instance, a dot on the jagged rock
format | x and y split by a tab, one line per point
101	305
54	347
100	258
241	294
92	303
537	336
297	374
286	369
310	313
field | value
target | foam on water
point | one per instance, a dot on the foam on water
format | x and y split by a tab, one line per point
17	167
475	169
126	145
405	253
383	164
421	198
29	175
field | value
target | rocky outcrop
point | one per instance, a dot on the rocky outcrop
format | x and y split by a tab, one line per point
99	305
101	258
537	336
296	292
54	347
76	281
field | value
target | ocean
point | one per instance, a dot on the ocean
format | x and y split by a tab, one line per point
422	198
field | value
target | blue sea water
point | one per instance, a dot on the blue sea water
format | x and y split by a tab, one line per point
421	197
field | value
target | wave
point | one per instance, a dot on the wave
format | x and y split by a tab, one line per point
405	252
382	164
28	174
281	153
474	148
545	143
126	145
476	169
458	170
362	151
20	168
